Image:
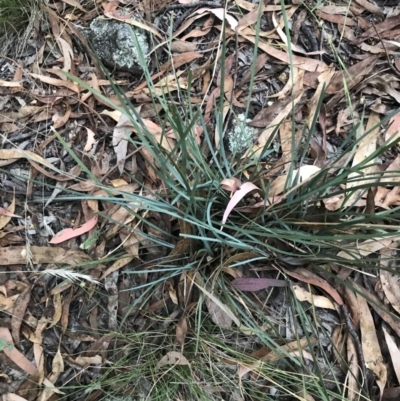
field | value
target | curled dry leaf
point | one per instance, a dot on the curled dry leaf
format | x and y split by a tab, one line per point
172	358
231	184
316	300
218	313
90	140
88	360
69	233
245	188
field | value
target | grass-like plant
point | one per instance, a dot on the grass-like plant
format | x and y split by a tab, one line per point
15	15
295	231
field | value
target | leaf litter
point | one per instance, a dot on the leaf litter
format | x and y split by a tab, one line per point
359	87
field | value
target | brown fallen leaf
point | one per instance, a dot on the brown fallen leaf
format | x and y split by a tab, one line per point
181	331
10	84
335	18
57	82
257	284
378	307
16	255
272	126
57	303
303	63
11	352
7	303
172	358
391	288
231	184
309	277
18	313
316	300
281	352
370	344
219	13
23	112
121	134
67	52
353	391
387	25
75	4
218	314
340	77
181	46
394	353
38	353
57	369
362	249
365	148
88	360
90	141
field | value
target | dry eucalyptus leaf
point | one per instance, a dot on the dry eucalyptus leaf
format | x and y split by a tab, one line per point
316	300
172	358
218	315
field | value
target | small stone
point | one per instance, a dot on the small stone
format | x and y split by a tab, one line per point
115	44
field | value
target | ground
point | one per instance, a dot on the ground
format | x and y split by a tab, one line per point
221	222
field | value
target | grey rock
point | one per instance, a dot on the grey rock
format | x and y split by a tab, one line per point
115	45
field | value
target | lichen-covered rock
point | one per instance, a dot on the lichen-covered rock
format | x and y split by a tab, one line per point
241	137
115	45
